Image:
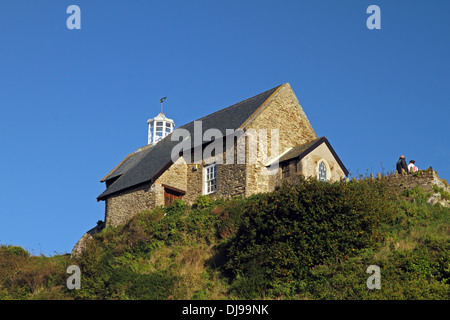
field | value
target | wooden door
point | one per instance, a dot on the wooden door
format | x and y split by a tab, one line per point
170	196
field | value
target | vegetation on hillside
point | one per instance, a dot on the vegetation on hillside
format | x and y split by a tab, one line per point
312	240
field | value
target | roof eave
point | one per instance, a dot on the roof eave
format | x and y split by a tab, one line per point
317	143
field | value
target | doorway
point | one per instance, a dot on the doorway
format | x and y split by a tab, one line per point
170	195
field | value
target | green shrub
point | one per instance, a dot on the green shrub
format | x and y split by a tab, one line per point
444	194
203	201
127	284
286	232
313	240
417	194
16	250
230	218
27	277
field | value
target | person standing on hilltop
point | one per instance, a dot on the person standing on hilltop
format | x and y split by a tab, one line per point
401	164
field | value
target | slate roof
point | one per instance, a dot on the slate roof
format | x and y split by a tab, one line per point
147	165
130	161
301	151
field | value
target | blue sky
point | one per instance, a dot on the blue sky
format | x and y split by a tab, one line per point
74	103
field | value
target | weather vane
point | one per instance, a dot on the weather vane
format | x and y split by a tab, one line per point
162	100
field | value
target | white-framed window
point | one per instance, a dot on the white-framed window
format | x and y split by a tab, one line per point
210	178
322	176
159	130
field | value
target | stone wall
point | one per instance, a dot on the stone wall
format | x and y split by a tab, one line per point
194	181
175	176
424	179
230	180
283	113
120	207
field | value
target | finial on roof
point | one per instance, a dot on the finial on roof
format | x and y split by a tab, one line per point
160	126
162	100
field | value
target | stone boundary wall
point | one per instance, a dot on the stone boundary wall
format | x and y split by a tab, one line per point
424	179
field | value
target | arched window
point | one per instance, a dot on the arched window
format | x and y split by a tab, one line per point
322	171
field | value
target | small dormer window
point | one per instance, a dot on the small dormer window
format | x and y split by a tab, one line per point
322	172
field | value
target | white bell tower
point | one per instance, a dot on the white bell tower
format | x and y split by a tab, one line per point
159	127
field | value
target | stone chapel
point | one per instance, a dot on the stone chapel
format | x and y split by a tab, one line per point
155	175
150	177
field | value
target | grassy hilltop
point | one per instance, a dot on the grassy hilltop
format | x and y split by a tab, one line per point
313	240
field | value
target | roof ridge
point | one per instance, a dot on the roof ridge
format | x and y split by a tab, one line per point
117	167
262	106
310	142
148	146
232	106
152	162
